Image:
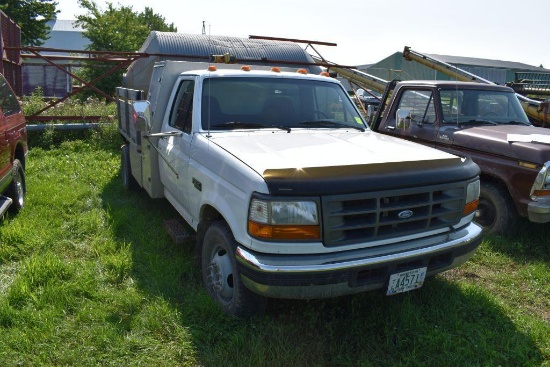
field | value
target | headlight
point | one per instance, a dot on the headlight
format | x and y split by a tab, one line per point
283	220
541	187
472	197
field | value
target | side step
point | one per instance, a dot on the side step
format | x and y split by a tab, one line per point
5	203
177	231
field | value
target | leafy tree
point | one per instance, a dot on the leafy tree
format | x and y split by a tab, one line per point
115	29
31	16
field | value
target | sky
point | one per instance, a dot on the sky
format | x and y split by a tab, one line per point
367	31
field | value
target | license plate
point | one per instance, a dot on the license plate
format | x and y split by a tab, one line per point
406	281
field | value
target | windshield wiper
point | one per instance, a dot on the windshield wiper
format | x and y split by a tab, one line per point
248	125
480	121
329	123
518	123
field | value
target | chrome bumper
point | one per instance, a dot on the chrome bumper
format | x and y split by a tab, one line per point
539	211
329	275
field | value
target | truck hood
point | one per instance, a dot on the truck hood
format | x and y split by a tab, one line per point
329	158
299	150
526	143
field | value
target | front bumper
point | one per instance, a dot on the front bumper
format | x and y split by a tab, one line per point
539	211
330	275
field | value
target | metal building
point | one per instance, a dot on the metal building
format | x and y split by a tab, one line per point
65	35
498	71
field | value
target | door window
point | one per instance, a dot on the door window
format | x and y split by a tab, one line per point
8	101
420	104
182	111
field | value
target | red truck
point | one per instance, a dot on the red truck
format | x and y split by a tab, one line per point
13	150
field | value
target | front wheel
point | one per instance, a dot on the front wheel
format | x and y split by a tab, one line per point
221	276
17	189
496	212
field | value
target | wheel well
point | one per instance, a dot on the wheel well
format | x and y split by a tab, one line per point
20	154
500	183
208	215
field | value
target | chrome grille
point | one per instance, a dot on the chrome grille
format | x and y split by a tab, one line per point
372	216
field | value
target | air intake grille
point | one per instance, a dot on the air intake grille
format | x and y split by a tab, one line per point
375	216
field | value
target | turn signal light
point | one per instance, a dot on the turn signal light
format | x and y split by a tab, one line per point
541	192
283	232
471	207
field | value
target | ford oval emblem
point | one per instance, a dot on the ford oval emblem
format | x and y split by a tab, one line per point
405	214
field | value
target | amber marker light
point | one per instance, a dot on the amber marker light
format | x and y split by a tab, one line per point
212	68
541	192
283	232
301	71
324	73
276	69
245	68
471	207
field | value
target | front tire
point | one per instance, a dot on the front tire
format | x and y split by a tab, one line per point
496	212
221	276
17	189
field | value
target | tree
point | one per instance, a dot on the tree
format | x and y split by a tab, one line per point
116	29
31	16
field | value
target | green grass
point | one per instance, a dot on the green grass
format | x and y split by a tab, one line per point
89	277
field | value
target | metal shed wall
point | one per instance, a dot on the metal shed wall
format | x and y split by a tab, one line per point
10	35
199	47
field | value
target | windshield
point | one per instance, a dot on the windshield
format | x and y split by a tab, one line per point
483	106
284	103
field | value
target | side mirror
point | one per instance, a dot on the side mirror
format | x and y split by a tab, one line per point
142	115
403	119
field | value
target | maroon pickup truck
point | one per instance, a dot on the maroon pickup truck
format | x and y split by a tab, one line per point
13	150
486	123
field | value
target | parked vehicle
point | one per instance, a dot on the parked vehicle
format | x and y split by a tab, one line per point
484	122
289	192
13	150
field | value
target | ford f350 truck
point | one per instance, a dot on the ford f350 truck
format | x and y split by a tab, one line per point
486	123
290	194
13	150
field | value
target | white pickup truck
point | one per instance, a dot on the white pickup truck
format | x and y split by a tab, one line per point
291	195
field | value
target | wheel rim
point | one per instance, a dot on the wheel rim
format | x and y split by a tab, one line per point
19	189
220	274
485	214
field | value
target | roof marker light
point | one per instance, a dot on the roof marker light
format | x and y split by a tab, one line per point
245	68
324	73
212	68
276	69
301	71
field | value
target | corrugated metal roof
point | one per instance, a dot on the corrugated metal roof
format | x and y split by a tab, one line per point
199	47
64	25
474	61
243	49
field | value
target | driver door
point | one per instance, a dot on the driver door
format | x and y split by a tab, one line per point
413	117
176	148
